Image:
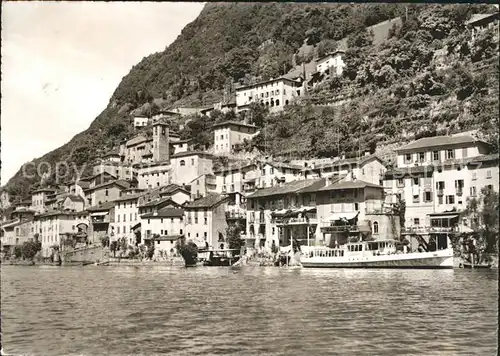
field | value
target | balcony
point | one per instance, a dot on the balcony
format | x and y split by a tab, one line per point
440	192
459	191
236	215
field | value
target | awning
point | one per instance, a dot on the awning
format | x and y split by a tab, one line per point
344	216
280	212
444	216
103	213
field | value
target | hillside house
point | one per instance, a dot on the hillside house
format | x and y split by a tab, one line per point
141	121
331	62
39	198
105	192
229	134
179	145
163	228
186	166
274	93
480	22
203	185
142	149
206	221
153	175
101	219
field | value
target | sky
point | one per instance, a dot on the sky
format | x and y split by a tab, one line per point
62	61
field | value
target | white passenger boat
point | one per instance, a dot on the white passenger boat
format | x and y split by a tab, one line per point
375	254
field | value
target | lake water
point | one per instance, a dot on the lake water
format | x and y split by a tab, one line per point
259	311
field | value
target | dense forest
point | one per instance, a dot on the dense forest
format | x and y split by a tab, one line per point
428	77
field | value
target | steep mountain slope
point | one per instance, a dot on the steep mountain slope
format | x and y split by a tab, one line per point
427	67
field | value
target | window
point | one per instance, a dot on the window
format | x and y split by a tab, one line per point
440	200
271	170
450	199
401	182
124	217
450	154
464	152
118	218
421	156
408	157
474	175
118	230
472	191
149	221
131	217
182	163
106	192
440	185
180	232
272	231
205	235
416	181
375	228
488	174
205	221
416	221
161	232
172	220
427	197
192	161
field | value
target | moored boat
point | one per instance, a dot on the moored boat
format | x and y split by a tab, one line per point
376	254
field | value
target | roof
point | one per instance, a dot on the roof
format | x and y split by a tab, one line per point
44	190
208	201
112	153
129	197
357	184
75	198
181	141
120	183
89	178
154	202
287	188
103	207
235	123
171	188
438	141
348	161
191	153
58	212
484	158
478	17
245	87
166	212
339	51
136	140
283	165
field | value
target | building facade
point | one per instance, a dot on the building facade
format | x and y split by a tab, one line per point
332	62
274	94
228	135
186	166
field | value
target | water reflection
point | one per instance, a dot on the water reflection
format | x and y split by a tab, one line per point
255	311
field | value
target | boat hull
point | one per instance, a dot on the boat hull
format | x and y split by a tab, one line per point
391	261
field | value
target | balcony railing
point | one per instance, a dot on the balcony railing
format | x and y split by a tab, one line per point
427	229
459	191
339	228
297	221
440	192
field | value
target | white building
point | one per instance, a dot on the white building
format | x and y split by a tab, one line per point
439	175
274	93
153	175
332	62
186	166
141	121
229	134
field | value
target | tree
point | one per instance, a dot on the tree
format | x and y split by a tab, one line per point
234	237
113	247
482	213
30	248
18	251
188	251
105	241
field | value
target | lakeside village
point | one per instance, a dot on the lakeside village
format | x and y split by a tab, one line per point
156	194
